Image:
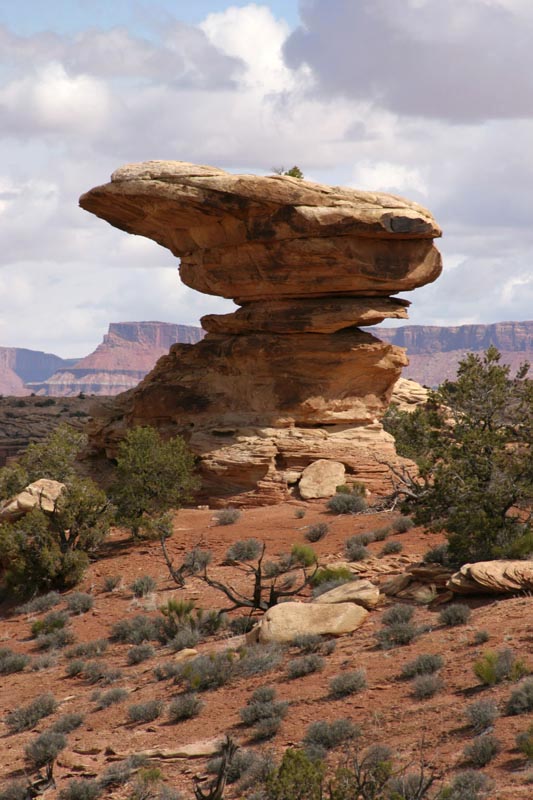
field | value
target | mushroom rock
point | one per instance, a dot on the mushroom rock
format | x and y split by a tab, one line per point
288	378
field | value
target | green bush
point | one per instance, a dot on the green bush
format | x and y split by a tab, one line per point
355	551
26	717
45	748
482	636
347	683
263	712
524	742
397	634
184	706
440	554
81	789
145	712
402	524
45	661
346	504
297	778
15	790
300	513
55	640
470	784
109	698
398	614
482	750
521	700
328	574
494	668
54	621
244	550
111	582
425	664
304	665
481	714
39	604
67	723
209	671
258	659
184	639
391	548
135	631
96	647
455	614
313	643
322	736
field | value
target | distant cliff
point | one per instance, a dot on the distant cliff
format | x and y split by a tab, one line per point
18	366
434	352
129	350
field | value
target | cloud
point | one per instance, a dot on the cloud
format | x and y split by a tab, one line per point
461	60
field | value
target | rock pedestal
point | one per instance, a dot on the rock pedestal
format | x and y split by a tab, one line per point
288	378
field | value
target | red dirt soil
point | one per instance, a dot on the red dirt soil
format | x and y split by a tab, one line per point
386	710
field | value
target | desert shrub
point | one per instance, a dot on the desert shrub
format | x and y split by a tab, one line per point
111	582
184	639
482	636
391	548
45	661
315	533
439	554
313	643
67	723
88	649
15	790
355	551
45	748
110	698
304	665
96	672
227	516
425	686
322	736
402	524
380	534
11	662
81	789
79	602
482	750
494	668
39	604
302	555
264	713
55	640
75	667
119	773
208	671
53	621
455	614
145	712
363	538
139	653
347	683
135	631
481	714
470	784
524	742
26	717
425	664
143	585
329	574
241	762
241	625
244	550
258	659
184	706
168	670
521	700
342	503
398	614
396	635
296	778
299	513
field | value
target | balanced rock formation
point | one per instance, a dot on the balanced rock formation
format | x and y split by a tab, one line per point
289	378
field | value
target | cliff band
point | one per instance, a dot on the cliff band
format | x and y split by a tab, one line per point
289	378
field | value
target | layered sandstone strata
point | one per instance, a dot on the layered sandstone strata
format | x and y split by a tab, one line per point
288	378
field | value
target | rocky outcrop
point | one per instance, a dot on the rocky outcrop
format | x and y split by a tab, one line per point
282	623
493	577
289	378
363	593
408	395
41	494
128	352
18	366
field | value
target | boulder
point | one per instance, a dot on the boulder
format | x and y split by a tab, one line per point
283	622
321	478
408	394
42	494
492	577
362	592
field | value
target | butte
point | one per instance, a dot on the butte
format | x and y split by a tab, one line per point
289	378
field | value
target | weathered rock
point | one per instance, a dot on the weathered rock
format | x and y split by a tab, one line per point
363	593
407	395
493	577
41	494
321	478
283	622
308	263
303	315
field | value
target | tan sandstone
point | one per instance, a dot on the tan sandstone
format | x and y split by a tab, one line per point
283	622
363	593
41	494
321	478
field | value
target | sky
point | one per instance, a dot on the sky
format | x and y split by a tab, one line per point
429	100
